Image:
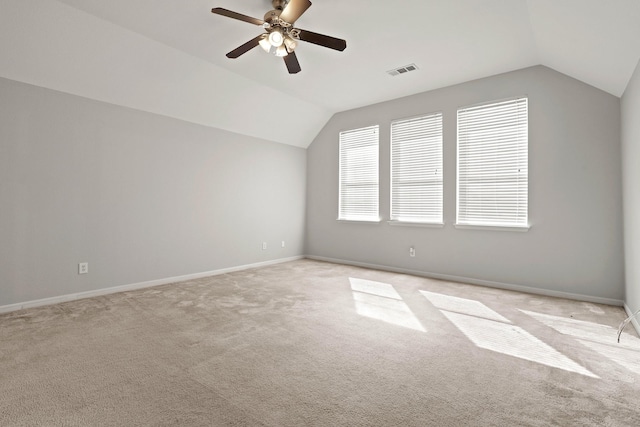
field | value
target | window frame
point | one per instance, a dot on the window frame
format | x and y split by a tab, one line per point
423	146
518	143
373	158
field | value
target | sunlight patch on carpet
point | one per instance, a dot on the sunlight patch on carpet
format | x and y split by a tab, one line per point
513	341
490	330
381	301
374	288
464	306
600	338
584	330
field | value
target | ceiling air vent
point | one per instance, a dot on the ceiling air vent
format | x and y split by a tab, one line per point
402	70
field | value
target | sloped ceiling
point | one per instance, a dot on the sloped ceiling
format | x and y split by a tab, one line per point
168	56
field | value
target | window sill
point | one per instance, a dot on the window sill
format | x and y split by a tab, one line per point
416	224
360	221
523	229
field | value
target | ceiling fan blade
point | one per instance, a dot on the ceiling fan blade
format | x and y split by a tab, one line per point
294	10
292	63
322	40
245	47
236	15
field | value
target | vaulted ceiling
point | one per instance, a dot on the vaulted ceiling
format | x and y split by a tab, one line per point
168	56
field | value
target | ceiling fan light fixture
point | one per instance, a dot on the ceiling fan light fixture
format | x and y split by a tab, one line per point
276	38
265	44
290	43
281	51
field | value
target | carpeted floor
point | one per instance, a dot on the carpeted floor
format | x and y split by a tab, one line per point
308	343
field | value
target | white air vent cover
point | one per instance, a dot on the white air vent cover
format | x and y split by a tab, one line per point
402	70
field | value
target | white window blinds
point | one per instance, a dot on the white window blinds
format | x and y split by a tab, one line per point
416	169
358	200
493	164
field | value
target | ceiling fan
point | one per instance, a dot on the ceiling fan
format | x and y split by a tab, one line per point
281	37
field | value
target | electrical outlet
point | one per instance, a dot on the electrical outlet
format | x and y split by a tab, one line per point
264	246
83	268
283	243
412	251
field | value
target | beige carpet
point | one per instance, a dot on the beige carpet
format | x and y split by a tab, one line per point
308	343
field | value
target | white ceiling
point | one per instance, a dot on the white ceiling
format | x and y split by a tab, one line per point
168	56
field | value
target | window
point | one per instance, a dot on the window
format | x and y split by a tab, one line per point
492	164
416	169
358	200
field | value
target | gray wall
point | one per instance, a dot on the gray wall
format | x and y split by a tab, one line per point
631	186
138	196
575	243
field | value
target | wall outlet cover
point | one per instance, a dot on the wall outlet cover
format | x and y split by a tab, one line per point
83	268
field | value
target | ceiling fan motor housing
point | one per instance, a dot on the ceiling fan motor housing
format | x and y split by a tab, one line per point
272	17
272	22
279	4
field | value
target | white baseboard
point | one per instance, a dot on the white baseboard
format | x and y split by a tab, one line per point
487	283
157	282
634	321
134	286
